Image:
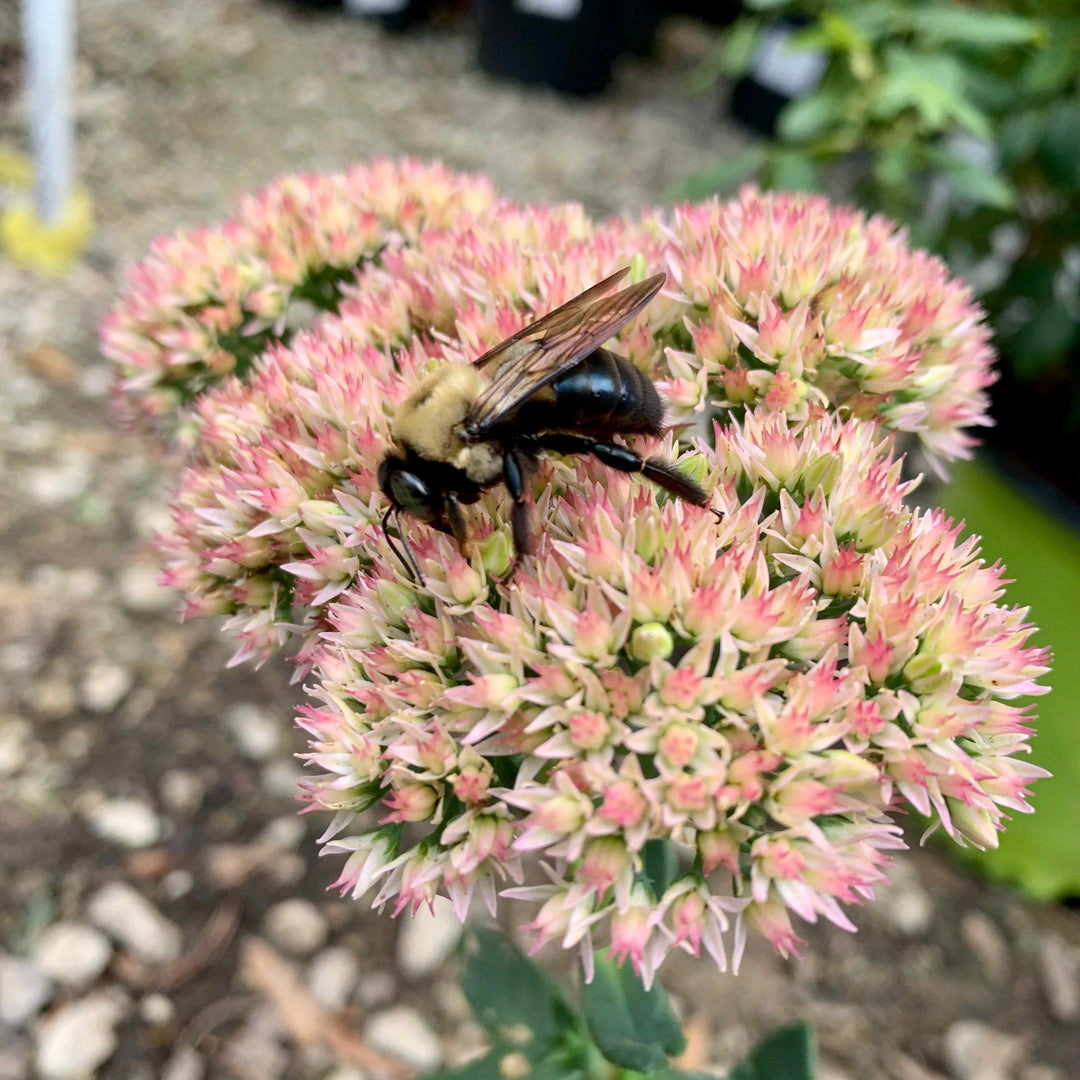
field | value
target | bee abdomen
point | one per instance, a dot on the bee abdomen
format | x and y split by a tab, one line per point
602	394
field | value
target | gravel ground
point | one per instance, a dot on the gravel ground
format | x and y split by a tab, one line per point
161	911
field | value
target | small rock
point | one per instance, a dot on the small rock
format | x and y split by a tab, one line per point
15	742
129	822
376	988
182	792
403	1033
133	921
157	1010
346	1072
51	485
284	833
427	939
72	953
52	698
982	936
24	990
332	977
256	731
296	926
104	686
140	591
280	778
255	1051
287	868
1059	966
186	1063
904	903
976	1051
53	364
1042	1072
79	1036
177	883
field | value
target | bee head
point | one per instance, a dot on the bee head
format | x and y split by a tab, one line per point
406	489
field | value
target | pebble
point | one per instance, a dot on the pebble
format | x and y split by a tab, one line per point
403	1033
157	1010
104	686
976	1051
133	921
296	926
24	990
52	697
72	953
140	591
284	833
905	904
51	485
376	988
332	977
1059	966
346	1072
182	792
79	1036
177	883
131	823
982	936
15	741
427	939
280	778
257	732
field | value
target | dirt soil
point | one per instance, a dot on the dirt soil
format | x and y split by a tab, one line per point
129	755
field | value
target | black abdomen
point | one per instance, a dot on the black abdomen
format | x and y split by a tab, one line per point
604	394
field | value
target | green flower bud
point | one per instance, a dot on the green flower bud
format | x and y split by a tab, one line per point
651	640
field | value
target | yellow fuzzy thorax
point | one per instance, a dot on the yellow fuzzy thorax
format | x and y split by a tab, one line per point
429	421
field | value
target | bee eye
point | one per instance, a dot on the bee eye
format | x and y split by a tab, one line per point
413	495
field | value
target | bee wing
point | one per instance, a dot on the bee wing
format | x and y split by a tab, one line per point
543	350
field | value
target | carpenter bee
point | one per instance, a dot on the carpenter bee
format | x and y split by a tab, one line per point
549	387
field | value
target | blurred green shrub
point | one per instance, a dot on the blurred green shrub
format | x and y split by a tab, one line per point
963	122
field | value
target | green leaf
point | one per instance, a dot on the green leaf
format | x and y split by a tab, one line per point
930	85
724	176
789	1053
974	26
812	116
1060	149
660	865
741	47
634	1028
1052	68
514	998
970	179
794	171
1043	556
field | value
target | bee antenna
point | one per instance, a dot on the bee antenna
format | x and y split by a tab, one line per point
409	563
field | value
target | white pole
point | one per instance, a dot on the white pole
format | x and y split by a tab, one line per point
47	33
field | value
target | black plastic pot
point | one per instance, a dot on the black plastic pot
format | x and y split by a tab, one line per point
565	44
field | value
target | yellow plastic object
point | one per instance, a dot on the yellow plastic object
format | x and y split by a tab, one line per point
49	247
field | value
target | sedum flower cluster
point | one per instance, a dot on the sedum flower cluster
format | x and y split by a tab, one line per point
762	684
206	302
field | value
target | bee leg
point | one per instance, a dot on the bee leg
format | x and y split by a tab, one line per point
624	459
458	526
514	478
409	563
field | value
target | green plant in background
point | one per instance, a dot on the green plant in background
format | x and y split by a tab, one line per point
621	1029
963	122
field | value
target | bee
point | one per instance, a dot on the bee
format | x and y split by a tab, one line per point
551	387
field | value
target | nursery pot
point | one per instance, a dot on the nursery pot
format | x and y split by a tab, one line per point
565	44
